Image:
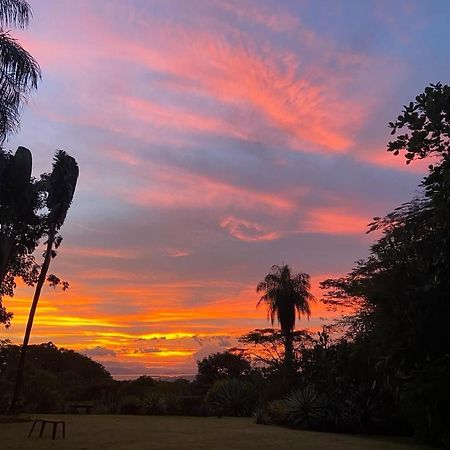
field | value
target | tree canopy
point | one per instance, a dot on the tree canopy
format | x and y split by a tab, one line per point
399	294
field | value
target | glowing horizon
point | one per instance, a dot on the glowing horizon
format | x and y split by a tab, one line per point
213	141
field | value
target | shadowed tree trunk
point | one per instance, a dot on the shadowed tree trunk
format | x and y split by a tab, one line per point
26	338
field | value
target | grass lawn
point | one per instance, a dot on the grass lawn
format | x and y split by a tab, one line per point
92	432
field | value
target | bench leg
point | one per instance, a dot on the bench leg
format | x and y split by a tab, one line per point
42	429
55	427
32	428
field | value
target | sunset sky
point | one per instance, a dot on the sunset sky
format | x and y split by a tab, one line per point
214	138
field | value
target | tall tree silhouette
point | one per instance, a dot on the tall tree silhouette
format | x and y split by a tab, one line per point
61	185
20	222
19	72
286	295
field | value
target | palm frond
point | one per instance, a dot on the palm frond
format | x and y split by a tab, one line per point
284	294
19	75
15	13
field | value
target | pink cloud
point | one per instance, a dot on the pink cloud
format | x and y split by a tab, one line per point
299	101
249	231
335	221
256	13
178	253
185	189
116	253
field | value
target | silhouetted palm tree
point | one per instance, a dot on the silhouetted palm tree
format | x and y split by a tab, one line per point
286	295
19	72
61	185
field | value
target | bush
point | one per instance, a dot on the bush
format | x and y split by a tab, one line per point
306	409
232	398
261	417
190	405
131	405
154	404
108	402
40	394
276	411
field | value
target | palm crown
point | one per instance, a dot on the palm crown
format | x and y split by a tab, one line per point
285	294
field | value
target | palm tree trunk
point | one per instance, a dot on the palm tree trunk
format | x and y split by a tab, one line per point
288	349
26	338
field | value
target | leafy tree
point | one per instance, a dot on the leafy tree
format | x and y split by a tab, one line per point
61	185
219	366
265	346
286	294
53	375
19	72
21	225
401	290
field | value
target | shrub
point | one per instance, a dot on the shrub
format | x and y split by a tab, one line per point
306	409
131	405
154	404
276	411
232	398
40	394
108	402
261	417
190	405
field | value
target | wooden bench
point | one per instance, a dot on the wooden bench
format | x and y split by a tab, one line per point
55	424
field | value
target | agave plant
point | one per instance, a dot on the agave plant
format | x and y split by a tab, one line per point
232	397
306	408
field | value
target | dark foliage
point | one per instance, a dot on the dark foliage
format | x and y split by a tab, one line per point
219	366
53	376
21	224
232	397
19	72
401	291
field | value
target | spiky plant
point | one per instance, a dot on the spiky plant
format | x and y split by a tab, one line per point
306	408
232	397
